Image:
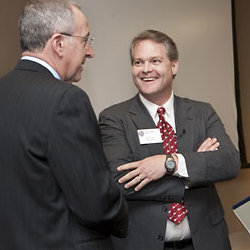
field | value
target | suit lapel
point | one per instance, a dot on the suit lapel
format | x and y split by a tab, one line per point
140	114
184	121
142	120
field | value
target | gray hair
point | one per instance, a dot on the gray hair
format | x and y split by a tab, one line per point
41	19
159	37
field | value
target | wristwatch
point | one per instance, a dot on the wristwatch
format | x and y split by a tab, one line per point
170	164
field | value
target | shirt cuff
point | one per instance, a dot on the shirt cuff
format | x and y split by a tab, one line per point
182	167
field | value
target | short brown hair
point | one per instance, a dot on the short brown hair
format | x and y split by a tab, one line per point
159	37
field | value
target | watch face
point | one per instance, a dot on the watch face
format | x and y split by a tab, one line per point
171	164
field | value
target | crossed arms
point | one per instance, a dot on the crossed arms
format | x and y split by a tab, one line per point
207	160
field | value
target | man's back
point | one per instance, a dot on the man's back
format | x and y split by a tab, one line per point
49	156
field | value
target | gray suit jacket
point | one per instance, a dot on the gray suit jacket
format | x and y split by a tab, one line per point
195	121
55	187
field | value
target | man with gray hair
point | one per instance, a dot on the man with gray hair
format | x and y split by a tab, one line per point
55	186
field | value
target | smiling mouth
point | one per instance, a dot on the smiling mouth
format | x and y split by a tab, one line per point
148	79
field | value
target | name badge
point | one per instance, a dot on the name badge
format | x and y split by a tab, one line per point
149	136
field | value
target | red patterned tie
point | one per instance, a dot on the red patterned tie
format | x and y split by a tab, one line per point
177	211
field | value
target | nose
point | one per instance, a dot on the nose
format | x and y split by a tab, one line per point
147	67
89	51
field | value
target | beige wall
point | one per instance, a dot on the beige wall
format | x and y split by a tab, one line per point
9	49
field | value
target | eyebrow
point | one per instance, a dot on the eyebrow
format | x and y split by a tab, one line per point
150	58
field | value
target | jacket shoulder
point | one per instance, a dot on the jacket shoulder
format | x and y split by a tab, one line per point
119	108
194	104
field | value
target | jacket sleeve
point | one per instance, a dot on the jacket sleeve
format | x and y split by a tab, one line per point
119	147
76	157
208	167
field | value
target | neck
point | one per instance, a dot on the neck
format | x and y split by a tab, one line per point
42	55
38	55
158	100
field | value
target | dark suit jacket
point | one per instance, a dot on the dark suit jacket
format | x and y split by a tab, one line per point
55	187
148	208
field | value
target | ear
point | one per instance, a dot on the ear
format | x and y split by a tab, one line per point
58	44
175	67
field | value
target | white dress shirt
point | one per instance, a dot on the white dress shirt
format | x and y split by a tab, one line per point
174	232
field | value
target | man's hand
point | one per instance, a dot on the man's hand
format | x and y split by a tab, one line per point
210	144
142	172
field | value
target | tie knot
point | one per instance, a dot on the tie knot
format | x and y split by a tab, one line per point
161	110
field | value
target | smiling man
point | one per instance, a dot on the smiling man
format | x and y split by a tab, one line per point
166	153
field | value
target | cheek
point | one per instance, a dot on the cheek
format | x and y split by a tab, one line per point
79	58
135	71
79	54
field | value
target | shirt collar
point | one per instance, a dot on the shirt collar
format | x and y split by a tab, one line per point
43	63
152	107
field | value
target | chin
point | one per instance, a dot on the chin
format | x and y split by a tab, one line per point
150	89
77	77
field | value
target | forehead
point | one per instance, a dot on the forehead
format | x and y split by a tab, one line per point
148	49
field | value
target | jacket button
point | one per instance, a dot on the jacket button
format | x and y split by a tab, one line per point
164	208
160	237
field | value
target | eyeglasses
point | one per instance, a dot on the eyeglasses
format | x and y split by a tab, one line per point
88	41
